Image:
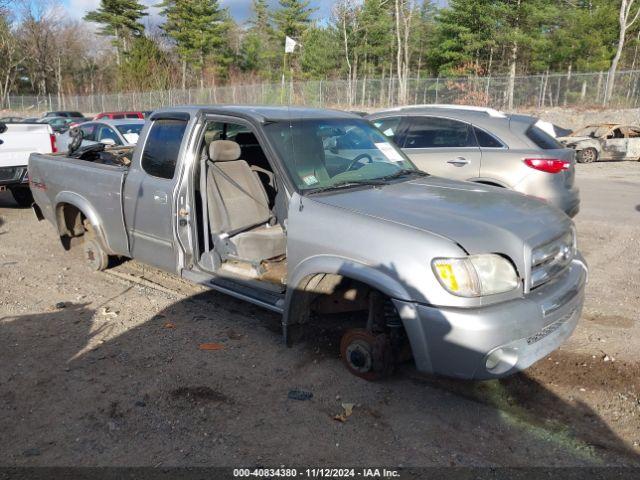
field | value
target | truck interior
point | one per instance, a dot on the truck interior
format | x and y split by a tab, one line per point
240	232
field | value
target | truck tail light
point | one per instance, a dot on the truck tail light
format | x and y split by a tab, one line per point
548	165
54	146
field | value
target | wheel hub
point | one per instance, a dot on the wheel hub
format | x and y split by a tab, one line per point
365	354
359	356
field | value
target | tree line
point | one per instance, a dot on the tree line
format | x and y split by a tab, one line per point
197	43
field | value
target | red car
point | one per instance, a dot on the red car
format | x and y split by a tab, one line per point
119	115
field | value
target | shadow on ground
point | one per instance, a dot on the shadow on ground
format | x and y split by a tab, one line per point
76	388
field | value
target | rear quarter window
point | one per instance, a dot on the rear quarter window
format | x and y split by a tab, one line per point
486	140
542	139
161	149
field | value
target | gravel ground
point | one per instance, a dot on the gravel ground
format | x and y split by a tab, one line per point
106	369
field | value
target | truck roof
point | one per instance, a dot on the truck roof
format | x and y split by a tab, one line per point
260	113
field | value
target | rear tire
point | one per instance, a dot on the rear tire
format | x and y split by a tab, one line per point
588	155
22	196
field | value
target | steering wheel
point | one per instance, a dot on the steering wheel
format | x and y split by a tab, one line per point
357	160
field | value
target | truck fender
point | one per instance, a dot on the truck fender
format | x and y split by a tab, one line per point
310	279
70	198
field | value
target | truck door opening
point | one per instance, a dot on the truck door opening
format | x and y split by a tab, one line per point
239	233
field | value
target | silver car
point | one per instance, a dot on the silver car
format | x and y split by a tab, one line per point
123	132
485	146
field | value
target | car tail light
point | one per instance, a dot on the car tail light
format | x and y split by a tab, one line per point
54	147
548	165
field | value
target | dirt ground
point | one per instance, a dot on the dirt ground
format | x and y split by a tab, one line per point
105	369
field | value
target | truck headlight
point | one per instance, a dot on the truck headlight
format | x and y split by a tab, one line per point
476	275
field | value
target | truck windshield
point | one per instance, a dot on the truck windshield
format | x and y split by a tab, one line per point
321	154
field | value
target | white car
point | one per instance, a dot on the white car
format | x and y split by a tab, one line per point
123	132
17	142
606	141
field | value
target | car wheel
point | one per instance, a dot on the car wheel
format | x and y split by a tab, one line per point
588	155
22	196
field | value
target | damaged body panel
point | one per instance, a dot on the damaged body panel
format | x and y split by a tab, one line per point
605	142
314	214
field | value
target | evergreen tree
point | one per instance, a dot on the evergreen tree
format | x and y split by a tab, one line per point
464	36
146	67
119	19
259	51
377	39
292	18
199	29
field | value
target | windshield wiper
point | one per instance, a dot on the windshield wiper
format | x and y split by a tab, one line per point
404	173
345	184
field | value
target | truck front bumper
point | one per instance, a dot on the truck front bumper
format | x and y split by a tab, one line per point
497	340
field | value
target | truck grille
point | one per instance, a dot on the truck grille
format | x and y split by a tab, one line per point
11	173
551	259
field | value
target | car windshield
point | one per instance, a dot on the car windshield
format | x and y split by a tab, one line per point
130	132
593	131
337	153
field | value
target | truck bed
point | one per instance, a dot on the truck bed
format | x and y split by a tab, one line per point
94	188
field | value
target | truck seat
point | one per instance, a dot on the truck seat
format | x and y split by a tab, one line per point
238	207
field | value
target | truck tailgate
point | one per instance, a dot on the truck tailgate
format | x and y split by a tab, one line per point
93	188
21	139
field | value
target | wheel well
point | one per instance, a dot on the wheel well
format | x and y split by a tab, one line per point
323	295
71	227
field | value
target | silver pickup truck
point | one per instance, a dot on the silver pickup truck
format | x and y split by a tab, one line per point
316	215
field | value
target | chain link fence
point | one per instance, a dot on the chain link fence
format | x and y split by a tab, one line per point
536	91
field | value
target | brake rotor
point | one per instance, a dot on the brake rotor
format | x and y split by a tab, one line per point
366	355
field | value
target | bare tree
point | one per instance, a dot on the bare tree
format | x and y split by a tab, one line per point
404	10
626	21
10	59
345	14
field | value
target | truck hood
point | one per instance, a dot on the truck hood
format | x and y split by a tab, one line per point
479	218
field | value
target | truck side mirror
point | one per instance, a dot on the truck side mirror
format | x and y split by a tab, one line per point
3	127
108	141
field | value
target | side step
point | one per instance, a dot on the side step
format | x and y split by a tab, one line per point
270	300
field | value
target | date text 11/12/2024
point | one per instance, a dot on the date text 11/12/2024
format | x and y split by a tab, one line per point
316	473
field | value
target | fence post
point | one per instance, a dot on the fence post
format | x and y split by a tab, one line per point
437	87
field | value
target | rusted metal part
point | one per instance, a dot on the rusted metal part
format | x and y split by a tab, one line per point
367	355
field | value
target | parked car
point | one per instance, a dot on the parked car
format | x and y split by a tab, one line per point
485	146
311	212
63	113
119	115
109	132
58	124
11	119
605	141
17	142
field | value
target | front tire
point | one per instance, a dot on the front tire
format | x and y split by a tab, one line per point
588	155
22	196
